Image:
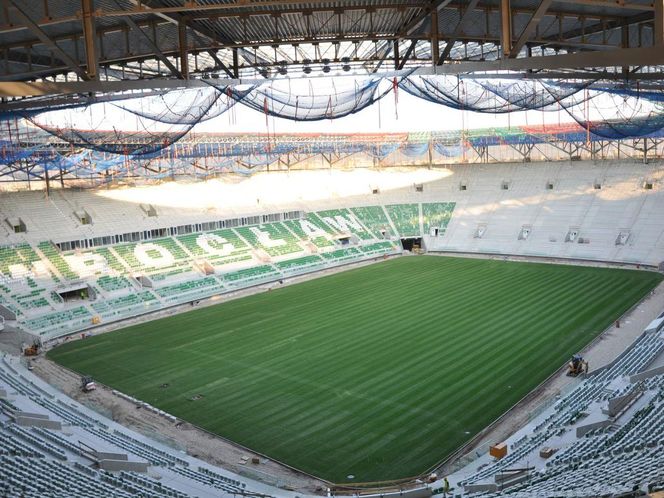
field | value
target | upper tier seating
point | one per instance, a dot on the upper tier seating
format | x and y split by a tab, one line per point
342	221
436	214
52	253
375	219
406	219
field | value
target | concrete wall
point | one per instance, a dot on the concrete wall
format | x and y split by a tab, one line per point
38	422
104	455
118	465
585	429
647	374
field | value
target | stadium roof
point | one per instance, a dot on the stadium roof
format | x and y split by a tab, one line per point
66	46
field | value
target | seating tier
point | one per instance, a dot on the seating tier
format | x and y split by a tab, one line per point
406	219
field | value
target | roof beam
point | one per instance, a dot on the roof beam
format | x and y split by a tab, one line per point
406	56
600	59
609	4
32	26
643	56
598	28
178	19
530	27
196	11
157	51
458	30
414	23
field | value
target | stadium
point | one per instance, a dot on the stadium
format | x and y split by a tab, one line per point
359	248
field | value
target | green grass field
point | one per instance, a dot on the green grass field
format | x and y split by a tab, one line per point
378	372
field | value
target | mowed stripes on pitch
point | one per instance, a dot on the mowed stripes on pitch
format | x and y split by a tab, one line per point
378	372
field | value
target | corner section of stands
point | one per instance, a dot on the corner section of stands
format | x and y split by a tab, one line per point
606	436
69	459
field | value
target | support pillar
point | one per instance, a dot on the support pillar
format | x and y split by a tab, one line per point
396	53
658	32
182	43
505	28
435	48
236	65
89	36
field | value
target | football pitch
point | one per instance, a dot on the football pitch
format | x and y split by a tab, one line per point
377	372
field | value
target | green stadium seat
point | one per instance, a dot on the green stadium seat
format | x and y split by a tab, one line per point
342	255
374	218
220	261
171	246
126	252
34	300
112	261
21	254
162	275
437	214
273	238
343	221
208	284
207	244
66	319
406	219
126	304
250	275
316	230
52	253
110	284
299	265
378	248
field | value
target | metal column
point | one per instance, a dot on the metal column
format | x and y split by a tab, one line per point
89	35
435	48
505	28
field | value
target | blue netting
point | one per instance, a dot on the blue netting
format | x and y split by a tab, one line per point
605	109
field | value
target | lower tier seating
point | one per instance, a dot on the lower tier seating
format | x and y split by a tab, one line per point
67	319
209	283
250	275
